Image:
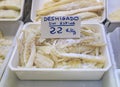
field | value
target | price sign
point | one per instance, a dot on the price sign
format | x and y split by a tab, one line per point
60	27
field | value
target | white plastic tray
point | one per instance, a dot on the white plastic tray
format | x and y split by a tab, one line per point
9	29
112	5
114	38
38	4
10	80
59	74
19	16
117	75
114	41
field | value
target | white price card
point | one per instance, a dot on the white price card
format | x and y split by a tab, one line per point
60	27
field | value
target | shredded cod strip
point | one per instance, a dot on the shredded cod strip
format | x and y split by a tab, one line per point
98	59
